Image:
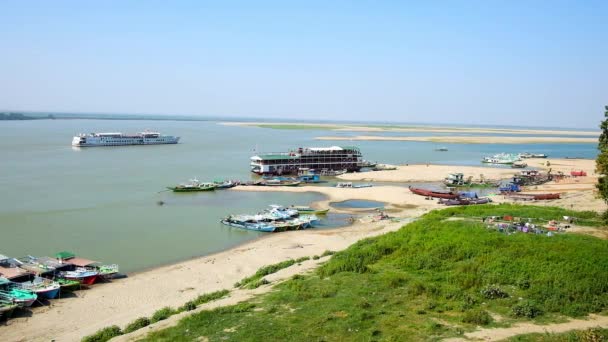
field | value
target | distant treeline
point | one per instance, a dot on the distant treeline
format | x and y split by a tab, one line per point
19	116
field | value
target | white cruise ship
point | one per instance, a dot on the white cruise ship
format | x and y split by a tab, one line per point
119	139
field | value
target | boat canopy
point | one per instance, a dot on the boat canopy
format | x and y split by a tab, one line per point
65	255
13	272
81	262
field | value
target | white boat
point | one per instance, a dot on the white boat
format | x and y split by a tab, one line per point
532	155
501	158
119	139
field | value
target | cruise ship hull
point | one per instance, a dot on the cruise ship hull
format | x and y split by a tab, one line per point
119	139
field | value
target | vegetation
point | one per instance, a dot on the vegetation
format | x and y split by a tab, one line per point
209	297
162	314
264	271
435	278
104	334
137	324
588	335
601	163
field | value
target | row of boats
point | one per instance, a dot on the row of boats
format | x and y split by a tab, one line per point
452	197
276	219
23	281
512	158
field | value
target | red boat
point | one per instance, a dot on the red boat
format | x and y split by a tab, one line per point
434	194
580	173
83	275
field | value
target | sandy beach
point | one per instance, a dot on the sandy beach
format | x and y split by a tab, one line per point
398	128
466	139
141	294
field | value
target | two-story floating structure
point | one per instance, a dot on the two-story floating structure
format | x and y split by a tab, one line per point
334	158
119	139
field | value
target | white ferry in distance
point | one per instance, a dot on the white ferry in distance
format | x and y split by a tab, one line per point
119	139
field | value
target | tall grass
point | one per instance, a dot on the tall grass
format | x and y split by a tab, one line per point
403	283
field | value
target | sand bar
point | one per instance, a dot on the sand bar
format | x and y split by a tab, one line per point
466	139
141	294
413	128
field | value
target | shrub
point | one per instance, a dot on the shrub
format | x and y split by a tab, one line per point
526	309
104	334
493	292
316	257
299	260
162	314
188	306
326	253
479	317
208	297
137	324
255	284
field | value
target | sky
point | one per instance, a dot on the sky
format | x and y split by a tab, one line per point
531	63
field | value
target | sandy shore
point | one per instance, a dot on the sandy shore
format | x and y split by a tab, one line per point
398	128
143	293
465	139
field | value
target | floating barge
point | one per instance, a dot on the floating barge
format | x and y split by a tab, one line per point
329	159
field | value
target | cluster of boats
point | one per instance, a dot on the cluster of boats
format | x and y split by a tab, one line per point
194	185
452	197
512	158
23	281
276	219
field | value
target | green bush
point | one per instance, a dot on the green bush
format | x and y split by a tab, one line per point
264	271
208	297
162	314
479	317
316	257
257	283
527	309
188	306
104	334
493	292
327	253
299	260
137	324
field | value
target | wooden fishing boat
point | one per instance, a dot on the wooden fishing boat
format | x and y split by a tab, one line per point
23	298
105	272
434	194
42	287
260	227
68	285
7	307
193	186
83	275
536	197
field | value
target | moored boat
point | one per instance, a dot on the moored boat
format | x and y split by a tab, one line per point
260	227
23	298
434	194
42	287
68	285
501	158
82	275
309	210
192	186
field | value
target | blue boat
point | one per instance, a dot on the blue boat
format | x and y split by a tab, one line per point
258	227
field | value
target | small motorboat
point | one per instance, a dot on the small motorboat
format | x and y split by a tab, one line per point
309	210
83	275
192	186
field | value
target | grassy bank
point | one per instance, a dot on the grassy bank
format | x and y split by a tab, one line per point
434	278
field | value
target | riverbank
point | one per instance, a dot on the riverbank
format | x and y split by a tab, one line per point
493	139
141	294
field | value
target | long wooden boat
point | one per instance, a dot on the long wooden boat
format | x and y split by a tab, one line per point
23	298
68	285
434	194
536	197
82	275
260	227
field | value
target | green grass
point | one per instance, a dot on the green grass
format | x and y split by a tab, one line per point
432	279
264	271
588	335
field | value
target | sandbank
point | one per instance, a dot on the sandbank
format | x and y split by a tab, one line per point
141	294
466	139
412	128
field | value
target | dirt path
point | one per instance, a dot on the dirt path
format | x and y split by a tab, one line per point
498	334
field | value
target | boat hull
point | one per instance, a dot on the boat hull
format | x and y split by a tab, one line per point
49	294
87	280
266	229
433	194
174	189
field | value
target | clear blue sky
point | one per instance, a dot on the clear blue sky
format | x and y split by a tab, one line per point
483	62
